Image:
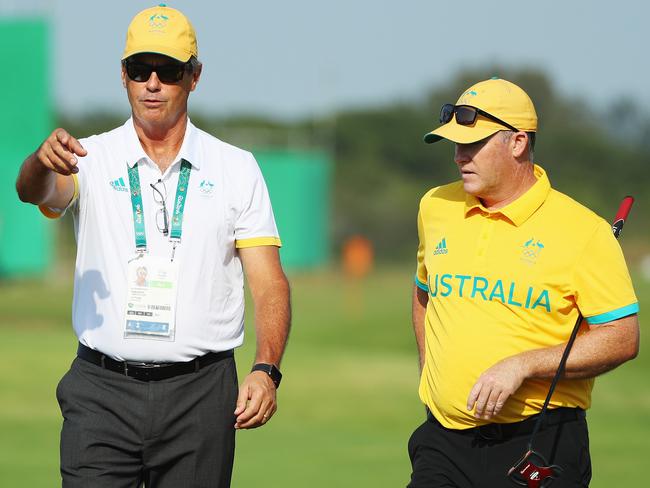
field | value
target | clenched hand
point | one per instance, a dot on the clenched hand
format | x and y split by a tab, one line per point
256	402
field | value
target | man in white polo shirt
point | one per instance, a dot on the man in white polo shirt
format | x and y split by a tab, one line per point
166	216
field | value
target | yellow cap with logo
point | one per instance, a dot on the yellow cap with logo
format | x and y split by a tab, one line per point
498	98
161	30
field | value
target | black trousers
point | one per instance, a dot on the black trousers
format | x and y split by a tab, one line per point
481	458
119	432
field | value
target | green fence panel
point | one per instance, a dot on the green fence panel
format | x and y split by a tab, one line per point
25	236
299	184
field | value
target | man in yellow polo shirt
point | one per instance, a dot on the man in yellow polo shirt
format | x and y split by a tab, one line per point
505	265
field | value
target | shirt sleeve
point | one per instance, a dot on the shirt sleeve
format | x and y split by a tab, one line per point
603	288
255	225
421	273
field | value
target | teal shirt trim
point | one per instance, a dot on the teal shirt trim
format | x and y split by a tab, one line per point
420	285
614	314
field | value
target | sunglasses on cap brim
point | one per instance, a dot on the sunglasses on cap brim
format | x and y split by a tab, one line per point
466	115
167	73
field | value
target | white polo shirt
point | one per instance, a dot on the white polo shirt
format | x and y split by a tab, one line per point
227	207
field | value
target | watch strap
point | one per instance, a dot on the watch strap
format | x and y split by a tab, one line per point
271	370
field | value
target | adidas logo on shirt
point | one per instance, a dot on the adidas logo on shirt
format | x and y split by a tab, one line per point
441	248
119	185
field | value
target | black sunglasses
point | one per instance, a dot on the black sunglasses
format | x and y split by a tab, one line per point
466	115
167	73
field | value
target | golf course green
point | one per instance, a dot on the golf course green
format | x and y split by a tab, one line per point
348	401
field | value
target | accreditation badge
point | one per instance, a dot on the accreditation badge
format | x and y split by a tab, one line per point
151	298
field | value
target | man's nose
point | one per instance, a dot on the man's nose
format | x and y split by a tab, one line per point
153	83
461	154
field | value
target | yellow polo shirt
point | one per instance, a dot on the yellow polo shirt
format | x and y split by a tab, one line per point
506	281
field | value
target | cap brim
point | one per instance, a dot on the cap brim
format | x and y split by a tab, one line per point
463	134
177	54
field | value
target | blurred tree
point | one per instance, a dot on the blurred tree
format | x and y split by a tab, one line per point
383	167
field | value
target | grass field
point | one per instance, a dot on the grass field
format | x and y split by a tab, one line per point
348	401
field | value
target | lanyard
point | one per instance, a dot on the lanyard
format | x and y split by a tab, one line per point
179	205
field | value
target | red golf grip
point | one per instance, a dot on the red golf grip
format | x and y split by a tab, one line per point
621	215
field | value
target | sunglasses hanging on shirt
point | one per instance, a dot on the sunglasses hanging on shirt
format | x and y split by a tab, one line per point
162	218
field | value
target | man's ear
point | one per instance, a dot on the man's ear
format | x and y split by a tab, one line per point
520	145
196	75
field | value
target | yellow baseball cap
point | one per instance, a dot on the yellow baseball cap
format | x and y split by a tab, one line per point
161	30
499	98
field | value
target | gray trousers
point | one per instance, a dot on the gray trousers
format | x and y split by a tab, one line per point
119	432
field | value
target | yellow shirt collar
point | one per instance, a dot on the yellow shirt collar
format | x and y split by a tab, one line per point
523	207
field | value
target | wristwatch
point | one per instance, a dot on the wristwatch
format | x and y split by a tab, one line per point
271	370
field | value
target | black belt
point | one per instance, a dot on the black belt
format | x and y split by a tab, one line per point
150	371
501	432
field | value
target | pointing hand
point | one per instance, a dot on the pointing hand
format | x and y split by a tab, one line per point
58	152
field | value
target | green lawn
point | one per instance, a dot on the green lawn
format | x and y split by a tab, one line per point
348	401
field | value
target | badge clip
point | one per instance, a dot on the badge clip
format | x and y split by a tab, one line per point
174	244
